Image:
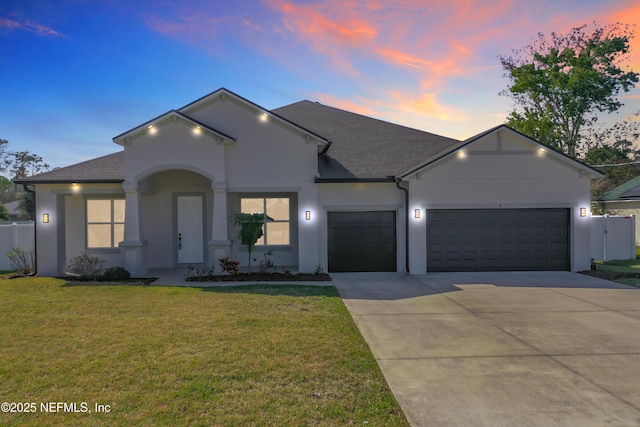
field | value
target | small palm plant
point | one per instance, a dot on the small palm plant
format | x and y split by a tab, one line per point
250	229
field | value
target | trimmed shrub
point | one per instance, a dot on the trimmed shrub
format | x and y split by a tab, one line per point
115	273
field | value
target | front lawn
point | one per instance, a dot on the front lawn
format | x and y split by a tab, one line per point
622	271
229	356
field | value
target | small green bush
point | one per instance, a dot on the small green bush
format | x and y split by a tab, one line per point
116	273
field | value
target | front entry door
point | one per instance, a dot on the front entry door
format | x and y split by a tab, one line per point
190	230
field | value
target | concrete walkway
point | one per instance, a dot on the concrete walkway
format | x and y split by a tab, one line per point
503	349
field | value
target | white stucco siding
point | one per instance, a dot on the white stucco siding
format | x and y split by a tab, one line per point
510	173
172	145
64	237
359	197
266	153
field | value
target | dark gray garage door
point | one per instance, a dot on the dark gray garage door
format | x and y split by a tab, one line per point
498	240
362	241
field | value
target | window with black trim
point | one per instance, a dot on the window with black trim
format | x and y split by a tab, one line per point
276	229
105	223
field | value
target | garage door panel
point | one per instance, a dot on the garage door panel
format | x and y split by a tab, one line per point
497	239
362	241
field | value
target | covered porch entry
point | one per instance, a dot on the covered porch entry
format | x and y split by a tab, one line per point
175	218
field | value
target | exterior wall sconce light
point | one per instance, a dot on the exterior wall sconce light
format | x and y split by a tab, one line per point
416	214
583	212
45	218
307	215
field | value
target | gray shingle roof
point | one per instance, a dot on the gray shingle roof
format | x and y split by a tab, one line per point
361	148
109	168
365	147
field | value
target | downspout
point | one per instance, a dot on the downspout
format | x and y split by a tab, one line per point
406	223
35	232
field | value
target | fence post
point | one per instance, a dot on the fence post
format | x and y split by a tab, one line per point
633	234
14	235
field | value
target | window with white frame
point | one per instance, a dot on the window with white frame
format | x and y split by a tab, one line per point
276	227
105	223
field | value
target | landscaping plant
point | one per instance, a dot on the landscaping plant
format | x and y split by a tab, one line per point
86	267
22	260
250	229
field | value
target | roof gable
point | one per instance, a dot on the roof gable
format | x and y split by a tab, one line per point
224	95
535	145
172	116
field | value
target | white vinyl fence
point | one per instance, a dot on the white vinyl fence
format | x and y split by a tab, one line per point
14	234
613	237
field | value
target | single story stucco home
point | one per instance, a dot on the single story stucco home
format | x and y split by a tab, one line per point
345	192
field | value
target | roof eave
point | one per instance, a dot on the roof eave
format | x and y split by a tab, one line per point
353	180
124	138
68	181
595	174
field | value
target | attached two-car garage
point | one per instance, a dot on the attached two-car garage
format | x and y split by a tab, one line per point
498	240
457	240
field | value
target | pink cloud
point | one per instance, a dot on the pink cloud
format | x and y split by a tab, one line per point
630	15
397	106
355	106
193	27
30	26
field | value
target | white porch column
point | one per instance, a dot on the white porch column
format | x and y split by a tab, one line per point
219	245
133	249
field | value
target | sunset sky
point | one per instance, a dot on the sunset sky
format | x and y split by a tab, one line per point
74	74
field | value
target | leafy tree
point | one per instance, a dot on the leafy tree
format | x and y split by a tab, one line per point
250	229
21	164
4	213
618	163
3	148
561	84
7	192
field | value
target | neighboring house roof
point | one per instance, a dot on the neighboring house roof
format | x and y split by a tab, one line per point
363	147
627	191
105	169
13	208
453	148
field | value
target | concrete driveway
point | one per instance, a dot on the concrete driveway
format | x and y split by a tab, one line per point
503	349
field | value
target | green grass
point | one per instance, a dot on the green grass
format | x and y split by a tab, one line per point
268	355
622	266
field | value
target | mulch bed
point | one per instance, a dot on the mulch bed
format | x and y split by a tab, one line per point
262	277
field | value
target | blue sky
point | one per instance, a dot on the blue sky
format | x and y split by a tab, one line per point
74	74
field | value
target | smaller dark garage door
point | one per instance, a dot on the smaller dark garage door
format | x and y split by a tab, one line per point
362	241
498	239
